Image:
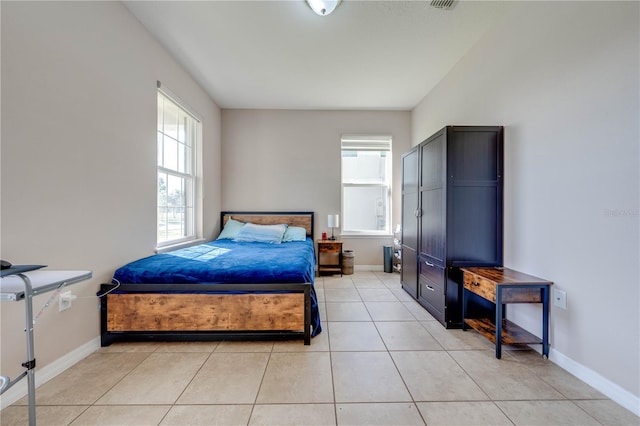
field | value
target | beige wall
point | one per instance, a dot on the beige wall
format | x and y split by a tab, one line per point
562	77
290	160
78	147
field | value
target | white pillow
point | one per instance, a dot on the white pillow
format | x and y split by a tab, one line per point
294	233
231	229
251	232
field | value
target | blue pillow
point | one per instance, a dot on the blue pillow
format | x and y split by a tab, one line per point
231	229
251	232
294	233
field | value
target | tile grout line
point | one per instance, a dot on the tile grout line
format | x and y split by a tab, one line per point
413	400
106	391
264	373
333	382
388	352
188	384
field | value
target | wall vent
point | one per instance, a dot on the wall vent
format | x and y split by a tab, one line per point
442	4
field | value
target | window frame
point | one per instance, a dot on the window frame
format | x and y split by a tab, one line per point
380	143
192	174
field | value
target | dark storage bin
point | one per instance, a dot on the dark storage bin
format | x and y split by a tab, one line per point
388	258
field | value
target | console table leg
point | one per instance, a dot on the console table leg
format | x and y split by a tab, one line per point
464	309
545	321
499	323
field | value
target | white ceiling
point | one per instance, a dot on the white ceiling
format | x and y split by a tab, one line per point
280	55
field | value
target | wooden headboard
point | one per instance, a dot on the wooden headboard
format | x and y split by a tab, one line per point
301	219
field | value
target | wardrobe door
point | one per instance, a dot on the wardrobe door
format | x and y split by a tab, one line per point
432	200
475	196
409	270
474	211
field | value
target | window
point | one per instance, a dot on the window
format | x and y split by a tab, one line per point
366	185
178	135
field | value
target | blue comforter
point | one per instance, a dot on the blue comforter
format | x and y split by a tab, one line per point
229	262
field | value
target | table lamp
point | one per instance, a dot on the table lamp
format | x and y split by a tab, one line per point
333	221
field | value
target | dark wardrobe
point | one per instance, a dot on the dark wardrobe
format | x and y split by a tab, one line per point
452	195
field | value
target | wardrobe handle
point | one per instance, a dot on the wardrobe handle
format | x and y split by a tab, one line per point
430	288
429	264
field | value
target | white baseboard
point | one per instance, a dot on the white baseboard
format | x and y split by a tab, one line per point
368	268
613	391
373	268
49	371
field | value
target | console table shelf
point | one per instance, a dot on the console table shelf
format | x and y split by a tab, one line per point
512	333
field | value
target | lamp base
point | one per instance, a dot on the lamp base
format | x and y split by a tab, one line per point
332	238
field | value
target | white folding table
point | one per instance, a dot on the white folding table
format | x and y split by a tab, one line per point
23	282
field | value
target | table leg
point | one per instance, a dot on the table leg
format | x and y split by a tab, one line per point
545	321
30	364
499	308
464	309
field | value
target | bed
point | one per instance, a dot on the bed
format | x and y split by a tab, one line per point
227	289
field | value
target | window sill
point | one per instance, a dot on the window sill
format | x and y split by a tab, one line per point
347	236
179	245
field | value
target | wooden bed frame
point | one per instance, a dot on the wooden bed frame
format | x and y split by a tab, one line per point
149	312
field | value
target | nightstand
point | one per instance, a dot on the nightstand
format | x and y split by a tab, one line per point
330	256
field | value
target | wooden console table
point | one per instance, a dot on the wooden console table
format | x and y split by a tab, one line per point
501	286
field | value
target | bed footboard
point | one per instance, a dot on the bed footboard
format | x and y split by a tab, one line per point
157	312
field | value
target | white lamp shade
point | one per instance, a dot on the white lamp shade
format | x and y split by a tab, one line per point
333	221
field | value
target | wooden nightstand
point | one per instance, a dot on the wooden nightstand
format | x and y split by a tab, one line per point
330	256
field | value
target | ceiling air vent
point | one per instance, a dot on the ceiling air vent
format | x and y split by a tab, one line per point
442	4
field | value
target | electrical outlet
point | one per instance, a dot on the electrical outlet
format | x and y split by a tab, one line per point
560	298
64	300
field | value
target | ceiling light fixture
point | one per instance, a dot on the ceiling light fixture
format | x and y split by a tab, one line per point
323	7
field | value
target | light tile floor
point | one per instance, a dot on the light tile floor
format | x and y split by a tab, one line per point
381	360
